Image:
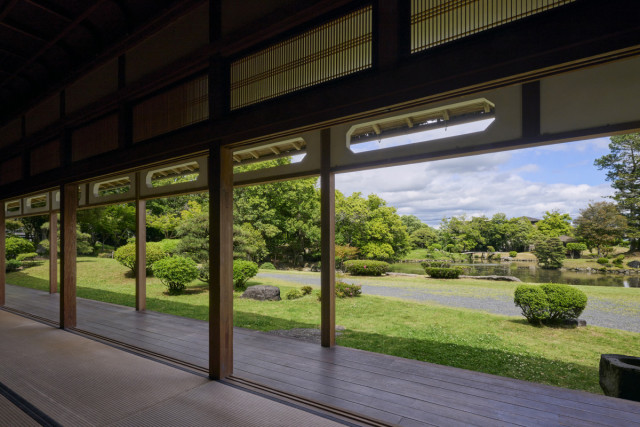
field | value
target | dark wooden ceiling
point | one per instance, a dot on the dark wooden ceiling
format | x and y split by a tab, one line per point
43	41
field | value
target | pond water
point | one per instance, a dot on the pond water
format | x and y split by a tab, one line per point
528	272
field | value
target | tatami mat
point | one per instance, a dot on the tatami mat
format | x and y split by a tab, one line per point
11	415
77	381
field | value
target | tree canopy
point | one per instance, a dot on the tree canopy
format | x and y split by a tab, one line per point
599	225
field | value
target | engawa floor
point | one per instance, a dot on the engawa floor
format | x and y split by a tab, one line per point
390	389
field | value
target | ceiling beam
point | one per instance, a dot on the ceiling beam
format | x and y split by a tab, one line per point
7	9
56	39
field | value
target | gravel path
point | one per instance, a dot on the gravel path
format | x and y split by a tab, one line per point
598	312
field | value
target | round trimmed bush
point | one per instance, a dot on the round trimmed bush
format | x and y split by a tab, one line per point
306	290
565	302
443	272
366	267
242	272
267	266
169	246
294	294
175	272
550	302
532	300
491	249
126	255
513	254
17	245
603	261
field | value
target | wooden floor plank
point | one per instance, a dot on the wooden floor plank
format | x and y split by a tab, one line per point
396	390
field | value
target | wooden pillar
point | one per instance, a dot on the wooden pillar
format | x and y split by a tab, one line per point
220	263
3	274
327	243
141	255
53	251
68	209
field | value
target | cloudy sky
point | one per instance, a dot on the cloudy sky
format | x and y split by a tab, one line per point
521	182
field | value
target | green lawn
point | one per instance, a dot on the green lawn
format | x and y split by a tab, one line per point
479	341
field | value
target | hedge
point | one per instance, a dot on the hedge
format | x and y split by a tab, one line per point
443	272
175	272
366	267
549	303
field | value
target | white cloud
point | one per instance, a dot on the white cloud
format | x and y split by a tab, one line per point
471	186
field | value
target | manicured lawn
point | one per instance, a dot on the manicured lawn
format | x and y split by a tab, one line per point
479	341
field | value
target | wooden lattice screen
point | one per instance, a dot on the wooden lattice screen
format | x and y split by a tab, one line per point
335	49
434	22
173	109
96	138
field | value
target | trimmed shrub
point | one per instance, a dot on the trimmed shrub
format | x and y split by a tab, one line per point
491	249
575	249
11	265
443	272
293	294
28	256
366	267
513	254
175	272
169	246
618	260
550	303
435	247
126	255
17	245
267	266
603	261
347	290
43	247
565	302
532	300
242	272
306	290
105	255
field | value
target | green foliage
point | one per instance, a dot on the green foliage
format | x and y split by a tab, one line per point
43	247
550	303
565	302
17	245
603	261
555	224
600	225
83	241
490	249
513	254
532	300
13	226
126	255
436	247
619	260
423	237
443	272
306	290
344	253
550	252
11	265
267	266
175	272
193	231
248	242
112	224
203	272
624	174
347	290
30	256
366	267
294	293
242	272
170	246
575	249
436	264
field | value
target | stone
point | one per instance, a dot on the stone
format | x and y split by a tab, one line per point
634	264
262	293
620	376
574	323
493	277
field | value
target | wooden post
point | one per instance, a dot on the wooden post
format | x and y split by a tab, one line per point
68	209
141	255
3	274
327	243
53	251
220	263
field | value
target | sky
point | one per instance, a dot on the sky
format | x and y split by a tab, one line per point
524	182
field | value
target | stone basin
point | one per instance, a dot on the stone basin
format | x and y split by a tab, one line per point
620	376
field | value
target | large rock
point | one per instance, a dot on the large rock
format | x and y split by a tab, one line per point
634	264
262	293
620	376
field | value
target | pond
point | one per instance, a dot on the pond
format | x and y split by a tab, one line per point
528	272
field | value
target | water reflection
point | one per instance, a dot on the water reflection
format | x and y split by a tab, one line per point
530	273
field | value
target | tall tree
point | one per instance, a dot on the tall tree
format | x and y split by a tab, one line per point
623	170
600	224
555	224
